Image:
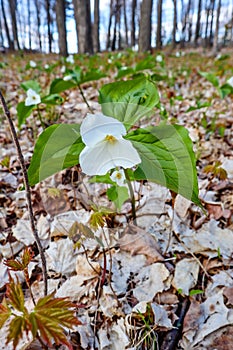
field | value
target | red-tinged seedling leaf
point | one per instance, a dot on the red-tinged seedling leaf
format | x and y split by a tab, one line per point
17	327
17	265
15	295
49	317
5	312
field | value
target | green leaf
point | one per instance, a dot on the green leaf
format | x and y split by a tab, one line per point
50	315
225	90
58	85
211	78
31	84
130	100
57	148
118	195
15	295
167	158
53	99
23	112
93	74
123	71
105	179
195	292
16	329
5	312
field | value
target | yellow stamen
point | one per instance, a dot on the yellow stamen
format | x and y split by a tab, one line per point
110	138
118	176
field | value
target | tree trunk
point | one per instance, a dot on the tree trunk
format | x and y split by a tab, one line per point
159	25
96	39
144	43
29	25
126	24
47	5
215	44
198	24
10	42
174	24
12	6
211	22
133	15
186	19
61	27
108	44
38	23
82	13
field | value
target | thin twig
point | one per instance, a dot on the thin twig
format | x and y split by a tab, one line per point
27	190
131	191
84	99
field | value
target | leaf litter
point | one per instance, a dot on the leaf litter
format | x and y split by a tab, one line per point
130	282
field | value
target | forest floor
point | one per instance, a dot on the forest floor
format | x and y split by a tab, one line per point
168	282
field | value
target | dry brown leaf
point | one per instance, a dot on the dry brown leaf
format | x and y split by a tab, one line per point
137	241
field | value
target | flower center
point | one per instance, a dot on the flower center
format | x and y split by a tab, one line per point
110	138
118	176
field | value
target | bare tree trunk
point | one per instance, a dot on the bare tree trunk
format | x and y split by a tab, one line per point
126	24
174	24
82	13
198	24
47	5
108	44
10	42
29	25
186	19
159	25
12	6
211	22
38	23
96	38
144	41
61	27
215	44
133	14
1	33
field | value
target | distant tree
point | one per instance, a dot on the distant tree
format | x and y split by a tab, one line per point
96	38
10	42
126	24
215	44
159	25
38	22
111	11
49	24
29	25
198	23
133	15
117	26
144	41
186	19
61	26
12	6
82	14
174	24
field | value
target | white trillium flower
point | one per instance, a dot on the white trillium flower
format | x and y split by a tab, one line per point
105	147
32	98
63	69
118	176
32	64
46	66
70	59
67	77
159	58
230	82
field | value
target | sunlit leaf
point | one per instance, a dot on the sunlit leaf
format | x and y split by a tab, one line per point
57	148
5	312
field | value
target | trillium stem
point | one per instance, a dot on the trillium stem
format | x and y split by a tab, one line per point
27	190
132	197
40	117
84	99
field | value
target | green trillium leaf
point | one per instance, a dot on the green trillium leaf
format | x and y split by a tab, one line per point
167	159
57	148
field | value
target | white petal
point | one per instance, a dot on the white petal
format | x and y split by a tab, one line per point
118	176
32	98
98	160
95	127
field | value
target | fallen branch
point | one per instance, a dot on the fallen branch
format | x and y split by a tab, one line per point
27	190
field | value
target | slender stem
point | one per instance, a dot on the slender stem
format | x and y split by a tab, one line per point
40	117
27	190
84	99
131	191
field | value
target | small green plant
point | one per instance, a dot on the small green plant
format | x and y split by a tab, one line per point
46	321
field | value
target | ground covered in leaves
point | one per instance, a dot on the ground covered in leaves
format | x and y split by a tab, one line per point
165	283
